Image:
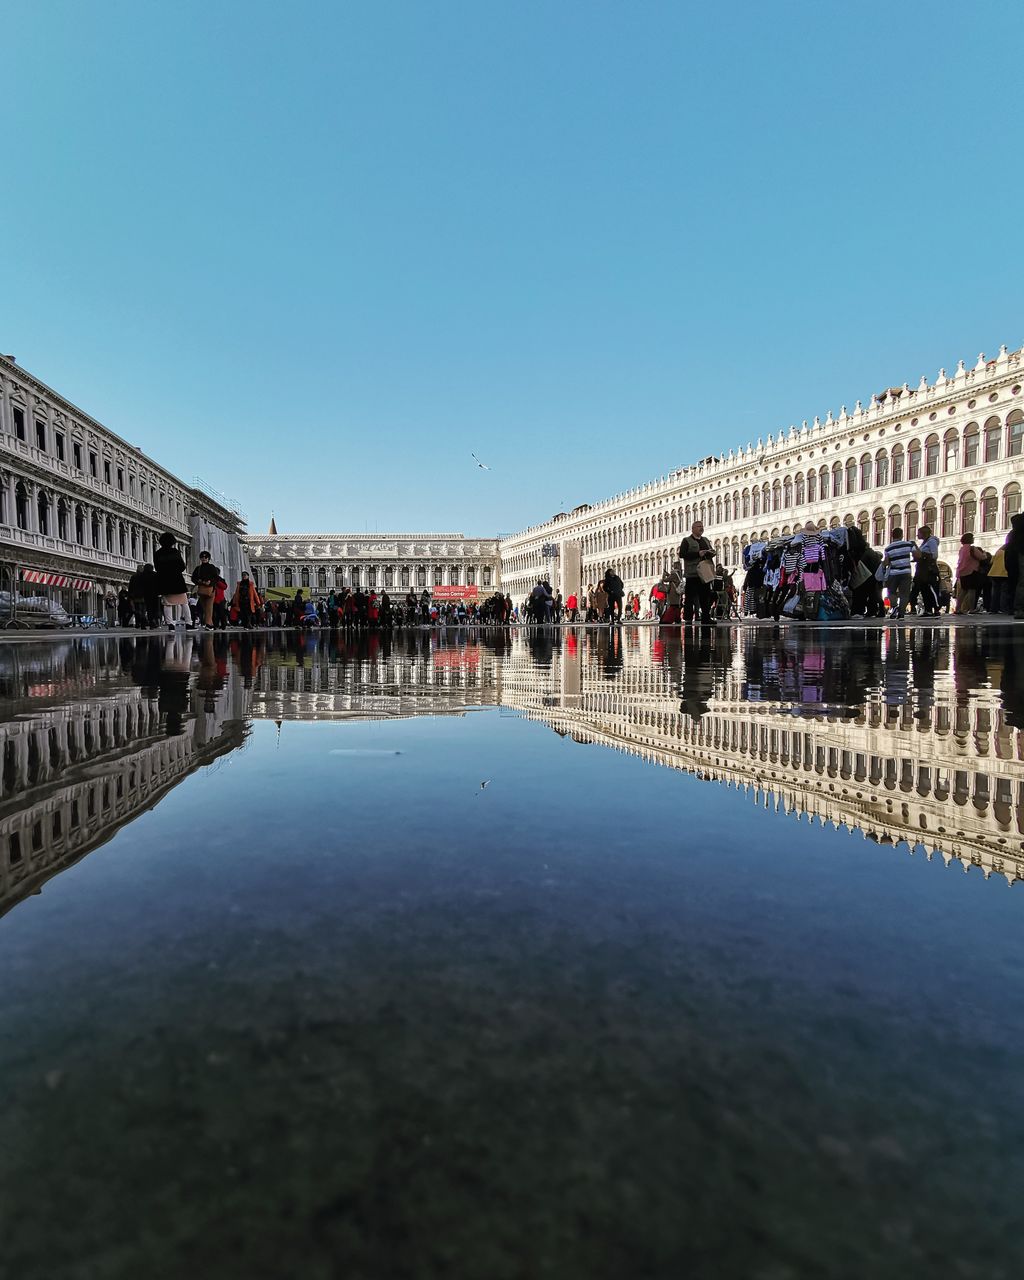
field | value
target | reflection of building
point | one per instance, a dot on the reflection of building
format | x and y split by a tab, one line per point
75	771
373	677
395	562
899	763
948	454
77	500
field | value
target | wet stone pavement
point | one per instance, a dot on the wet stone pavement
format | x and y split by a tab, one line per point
563	954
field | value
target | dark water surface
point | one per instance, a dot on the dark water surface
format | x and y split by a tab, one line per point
695	986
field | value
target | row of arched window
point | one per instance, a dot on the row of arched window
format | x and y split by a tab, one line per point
56	516
387	577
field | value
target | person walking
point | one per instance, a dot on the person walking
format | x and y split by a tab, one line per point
170	574
697	597
899	560
246	600
994	587
220	605
572	604
206	576
600	602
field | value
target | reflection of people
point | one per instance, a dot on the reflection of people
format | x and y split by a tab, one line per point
173	682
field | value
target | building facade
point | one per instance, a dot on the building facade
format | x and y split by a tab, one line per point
948	454
393	562
78	501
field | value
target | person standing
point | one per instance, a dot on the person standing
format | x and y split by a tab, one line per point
1014	561
151	595
968	574
246	600
899	560
572	604
170	574
926	572
137	599
205	576
697	598
615	591
220	605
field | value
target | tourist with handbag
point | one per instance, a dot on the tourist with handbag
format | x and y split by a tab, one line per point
698	559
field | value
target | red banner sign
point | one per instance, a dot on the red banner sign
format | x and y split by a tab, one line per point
454	593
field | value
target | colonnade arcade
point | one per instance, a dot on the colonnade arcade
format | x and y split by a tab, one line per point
373	576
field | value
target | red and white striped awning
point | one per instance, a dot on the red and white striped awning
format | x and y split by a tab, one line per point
55	580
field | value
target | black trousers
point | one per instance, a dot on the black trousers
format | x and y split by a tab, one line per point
698	599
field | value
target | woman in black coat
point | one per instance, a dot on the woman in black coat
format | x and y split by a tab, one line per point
170	573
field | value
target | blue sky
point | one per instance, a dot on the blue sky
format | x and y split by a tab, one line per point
318	254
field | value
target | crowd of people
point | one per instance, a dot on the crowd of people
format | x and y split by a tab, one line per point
818	575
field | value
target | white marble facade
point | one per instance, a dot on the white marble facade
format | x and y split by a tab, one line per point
76	499
395	562
949	454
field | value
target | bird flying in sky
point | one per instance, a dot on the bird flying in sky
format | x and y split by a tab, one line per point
482	465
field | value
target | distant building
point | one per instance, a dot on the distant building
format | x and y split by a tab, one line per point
79	504
949	455
393	562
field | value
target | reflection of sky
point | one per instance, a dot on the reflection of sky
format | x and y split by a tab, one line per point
335	937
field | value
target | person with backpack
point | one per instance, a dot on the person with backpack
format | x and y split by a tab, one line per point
614	590
698	558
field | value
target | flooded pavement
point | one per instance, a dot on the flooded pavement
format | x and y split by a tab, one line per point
565	954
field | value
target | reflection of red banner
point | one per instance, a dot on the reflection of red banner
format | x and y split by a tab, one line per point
454	593
467	657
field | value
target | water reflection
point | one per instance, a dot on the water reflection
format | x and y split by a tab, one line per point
905	735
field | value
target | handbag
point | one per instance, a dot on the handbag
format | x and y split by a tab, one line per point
705	571
204	590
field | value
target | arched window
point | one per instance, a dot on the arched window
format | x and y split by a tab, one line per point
993	435
837	480
776	496
865	471
718	515
43	509
289	577
63	511
108	528
787	492
881	468
756	502
931	455
972	444
727	506
928	513
894	520
864	524
968	512
913	461
897	464
1011	502
321	579
851	475
271	578
989	510
1015	434
765	498
910	520
122	540
80	524
746	504
305	577
823	483
801	491
96	533
947	516
951	451
878	526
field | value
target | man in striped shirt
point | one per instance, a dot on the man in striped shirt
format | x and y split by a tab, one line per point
899	561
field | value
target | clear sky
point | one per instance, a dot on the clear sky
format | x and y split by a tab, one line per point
320	253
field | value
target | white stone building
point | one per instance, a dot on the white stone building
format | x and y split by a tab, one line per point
949	454
392	562
78	501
